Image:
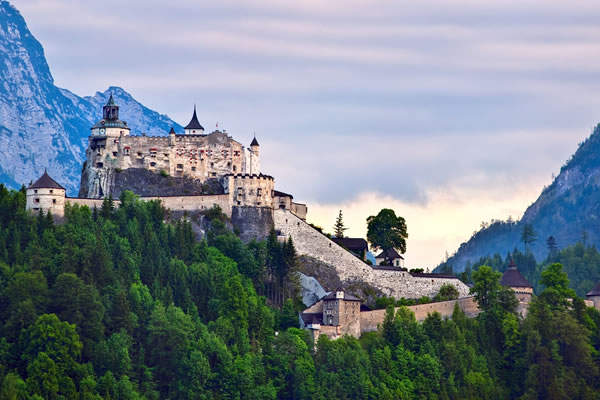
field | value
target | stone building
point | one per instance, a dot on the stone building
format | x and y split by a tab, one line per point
45	195
390	257
594	295
112	149
513	279
357	246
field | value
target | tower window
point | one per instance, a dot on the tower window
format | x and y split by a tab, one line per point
114	153
99	165
51	191
179	166
193	169
53	201
234	168
36	200
34	190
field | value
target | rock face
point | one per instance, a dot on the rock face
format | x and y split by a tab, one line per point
565	210
145	183
312	291
43	126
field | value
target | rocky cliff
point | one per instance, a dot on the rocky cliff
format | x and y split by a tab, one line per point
42	125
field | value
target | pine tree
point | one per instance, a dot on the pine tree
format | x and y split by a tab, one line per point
339	228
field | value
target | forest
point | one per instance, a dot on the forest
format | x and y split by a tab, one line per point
115	303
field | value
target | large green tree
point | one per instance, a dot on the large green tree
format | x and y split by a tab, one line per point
387	231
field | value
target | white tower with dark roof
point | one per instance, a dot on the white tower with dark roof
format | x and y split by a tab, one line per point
45	195
194	127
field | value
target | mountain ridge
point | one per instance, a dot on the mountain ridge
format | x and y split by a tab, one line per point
568	209
44	126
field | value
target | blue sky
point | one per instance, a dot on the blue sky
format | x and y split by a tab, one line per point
450	112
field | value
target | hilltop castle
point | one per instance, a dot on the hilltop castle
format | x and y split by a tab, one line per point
192	172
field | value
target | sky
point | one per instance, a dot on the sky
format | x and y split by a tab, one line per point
449	112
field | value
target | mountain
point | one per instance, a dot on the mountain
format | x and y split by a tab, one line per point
44	126
568	210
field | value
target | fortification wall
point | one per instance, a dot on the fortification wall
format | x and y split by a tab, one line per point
350	269
91	203
252	222
194	203
369	320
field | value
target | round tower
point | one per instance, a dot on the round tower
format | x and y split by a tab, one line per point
513	279
110	124
248	190
254	159
594	295
45	195
194	127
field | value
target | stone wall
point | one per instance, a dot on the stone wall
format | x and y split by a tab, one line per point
252	222
350	269
200	157
369	320
44	199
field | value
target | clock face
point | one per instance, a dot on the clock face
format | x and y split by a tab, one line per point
102	130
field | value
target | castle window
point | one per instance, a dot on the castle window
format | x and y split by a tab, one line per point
212	164
153	164
193	169
126	150
234	168
99	165
36	200
258	203
51	191
54	201
114	153
259	192
34	190
180	166
229	163
214	174
139	155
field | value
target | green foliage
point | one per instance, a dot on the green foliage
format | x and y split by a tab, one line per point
339	227
486	287
117	304
447	292
387	231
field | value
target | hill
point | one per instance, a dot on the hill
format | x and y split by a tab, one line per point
42	125
568	210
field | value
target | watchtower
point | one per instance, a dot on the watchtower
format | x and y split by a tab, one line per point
45	195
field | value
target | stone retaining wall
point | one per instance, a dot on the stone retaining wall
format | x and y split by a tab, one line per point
350	269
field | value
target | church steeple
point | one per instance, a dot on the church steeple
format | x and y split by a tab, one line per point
111	110
194	126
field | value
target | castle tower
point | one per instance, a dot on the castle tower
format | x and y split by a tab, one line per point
46	194
254	161
172	137
194	127
594	295
110	124
340	308
513	279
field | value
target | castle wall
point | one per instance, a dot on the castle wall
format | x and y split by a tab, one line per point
252	222
52	200
369	320
91	203
351	269
198	156
194	203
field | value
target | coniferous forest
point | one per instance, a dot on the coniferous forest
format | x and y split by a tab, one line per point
115	303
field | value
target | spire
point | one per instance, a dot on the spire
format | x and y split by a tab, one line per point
254	141
111	101
172	131
111	109
194	123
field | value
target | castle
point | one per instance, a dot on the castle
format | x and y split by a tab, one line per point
192	172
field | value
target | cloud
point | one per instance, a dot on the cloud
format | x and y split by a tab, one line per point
415	103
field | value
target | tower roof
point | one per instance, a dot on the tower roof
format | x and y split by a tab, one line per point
111	101
513	278
254	142
595	291
194	123
45	182
172	131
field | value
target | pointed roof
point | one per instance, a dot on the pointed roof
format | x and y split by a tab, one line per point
595	291
513	278
254	142
392	254
194	123
172	131
45	182
111	101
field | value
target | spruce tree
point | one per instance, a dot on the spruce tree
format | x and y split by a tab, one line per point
339	228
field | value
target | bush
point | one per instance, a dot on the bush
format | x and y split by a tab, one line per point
163	173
